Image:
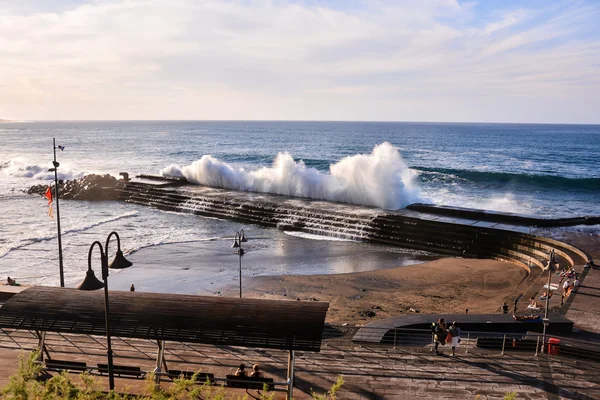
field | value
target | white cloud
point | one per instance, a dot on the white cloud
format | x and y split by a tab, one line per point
507	21
171	59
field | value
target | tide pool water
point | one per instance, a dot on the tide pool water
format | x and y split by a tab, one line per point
541	170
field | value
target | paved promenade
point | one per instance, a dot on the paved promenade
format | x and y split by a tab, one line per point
369	373
584	307
373	372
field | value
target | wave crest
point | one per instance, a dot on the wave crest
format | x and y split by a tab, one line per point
379	179
504	179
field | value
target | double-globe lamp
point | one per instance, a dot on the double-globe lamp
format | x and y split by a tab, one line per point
237	244
90	282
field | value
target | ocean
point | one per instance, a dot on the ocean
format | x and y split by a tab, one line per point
531	169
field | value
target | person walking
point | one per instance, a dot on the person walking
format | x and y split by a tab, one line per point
440	331
566	286
454	330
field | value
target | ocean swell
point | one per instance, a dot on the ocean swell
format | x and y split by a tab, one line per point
379	179
503	179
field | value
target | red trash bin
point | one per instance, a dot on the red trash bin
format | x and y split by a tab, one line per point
553	346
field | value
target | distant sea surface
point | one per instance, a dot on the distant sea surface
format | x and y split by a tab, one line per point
540	170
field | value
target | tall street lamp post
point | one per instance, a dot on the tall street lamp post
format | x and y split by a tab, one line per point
237	244
60	257
90	282
546	321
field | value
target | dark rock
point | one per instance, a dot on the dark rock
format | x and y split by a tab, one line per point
90	187
367	313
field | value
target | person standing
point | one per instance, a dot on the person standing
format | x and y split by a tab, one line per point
132	288
454	330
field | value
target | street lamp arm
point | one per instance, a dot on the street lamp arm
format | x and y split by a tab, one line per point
102	254
119	261
108	240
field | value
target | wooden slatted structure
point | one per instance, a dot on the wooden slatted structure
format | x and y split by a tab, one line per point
275	324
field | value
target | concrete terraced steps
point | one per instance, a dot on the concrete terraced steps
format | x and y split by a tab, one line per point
403	228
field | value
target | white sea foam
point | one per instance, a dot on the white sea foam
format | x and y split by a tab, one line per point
311	236
379	179
161	241
22	242
21	168
506	203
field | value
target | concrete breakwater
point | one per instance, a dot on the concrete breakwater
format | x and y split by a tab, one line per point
408	228
443	230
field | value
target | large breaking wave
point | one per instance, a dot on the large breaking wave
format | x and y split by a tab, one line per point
379	179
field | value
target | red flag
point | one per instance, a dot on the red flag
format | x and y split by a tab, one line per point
48	195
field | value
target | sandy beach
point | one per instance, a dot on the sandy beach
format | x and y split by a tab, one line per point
446	285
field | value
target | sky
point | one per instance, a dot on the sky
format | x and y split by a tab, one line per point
421	60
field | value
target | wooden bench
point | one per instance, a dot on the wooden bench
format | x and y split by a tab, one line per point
247	382
200	378
122	370
63	365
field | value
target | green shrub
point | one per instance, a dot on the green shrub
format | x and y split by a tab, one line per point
31	383
330	395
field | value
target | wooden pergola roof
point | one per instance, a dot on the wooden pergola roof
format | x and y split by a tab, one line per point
276	324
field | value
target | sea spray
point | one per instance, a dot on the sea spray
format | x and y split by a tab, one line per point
379	179
22	168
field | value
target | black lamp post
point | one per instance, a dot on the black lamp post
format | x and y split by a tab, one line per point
237	244
92	283
60	258
546	321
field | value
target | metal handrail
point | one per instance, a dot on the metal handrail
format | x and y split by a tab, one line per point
420	338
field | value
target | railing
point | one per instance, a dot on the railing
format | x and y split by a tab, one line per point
341	338
423	340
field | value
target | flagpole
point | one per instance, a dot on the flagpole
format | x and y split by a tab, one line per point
60	257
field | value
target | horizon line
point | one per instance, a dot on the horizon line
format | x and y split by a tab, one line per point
297	120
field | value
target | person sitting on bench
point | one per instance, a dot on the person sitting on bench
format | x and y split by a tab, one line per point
241	370
256	372
532	303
